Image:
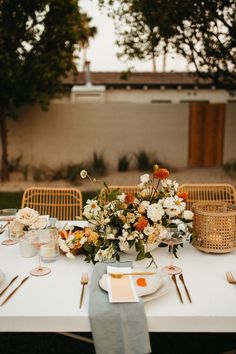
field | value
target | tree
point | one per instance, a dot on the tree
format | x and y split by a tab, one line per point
137	33
37	42
203	31
86	33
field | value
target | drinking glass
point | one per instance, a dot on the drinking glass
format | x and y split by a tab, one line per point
8	215
171	242
39	239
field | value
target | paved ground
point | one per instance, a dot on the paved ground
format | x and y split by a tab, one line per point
195	175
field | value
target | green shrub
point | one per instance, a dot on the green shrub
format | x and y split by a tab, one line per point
14	164
98	165
123	163
143	161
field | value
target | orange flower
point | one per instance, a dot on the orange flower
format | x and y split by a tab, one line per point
141	282
162	173
141	223
64	234
129	198
183	195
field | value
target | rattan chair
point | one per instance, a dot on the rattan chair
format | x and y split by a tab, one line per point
62	203
122	189
208	192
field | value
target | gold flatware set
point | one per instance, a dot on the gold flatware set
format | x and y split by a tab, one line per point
13	291
181	278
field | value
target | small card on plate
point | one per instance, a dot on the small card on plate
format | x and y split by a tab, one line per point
121	289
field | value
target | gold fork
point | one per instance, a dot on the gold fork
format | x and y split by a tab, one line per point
120	275
84	281
230	278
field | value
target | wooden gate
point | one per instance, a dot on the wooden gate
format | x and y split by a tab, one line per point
206	134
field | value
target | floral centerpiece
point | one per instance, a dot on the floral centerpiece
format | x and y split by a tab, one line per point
27	219
136	220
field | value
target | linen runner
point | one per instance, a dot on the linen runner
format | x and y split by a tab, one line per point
118	328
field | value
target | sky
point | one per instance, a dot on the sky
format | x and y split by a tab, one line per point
102	51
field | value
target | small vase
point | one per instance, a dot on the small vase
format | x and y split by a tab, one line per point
27	250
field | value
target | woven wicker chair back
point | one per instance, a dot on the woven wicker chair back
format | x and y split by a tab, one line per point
62	203
208	192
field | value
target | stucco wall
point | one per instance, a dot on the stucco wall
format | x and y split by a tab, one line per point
230	133
70	133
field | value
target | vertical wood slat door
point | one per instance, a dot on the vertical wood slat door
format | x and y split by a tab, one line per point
206	134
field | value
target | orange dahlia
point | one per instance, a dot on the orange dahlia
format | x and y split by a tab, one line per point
141	223
129	198
162	173
183	195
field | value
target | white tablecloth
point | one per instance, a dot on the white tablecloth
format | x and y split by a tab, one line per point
51	303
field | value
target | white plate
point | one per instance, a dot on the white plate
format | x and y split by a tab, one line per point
1	276
157	285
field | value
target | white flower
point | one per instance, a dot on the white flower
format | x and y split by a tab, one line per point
148	230
121	197
104	255
145	204
171	186
164	233
92	208
123	245
83	174
17	228
174	205
27	216
40	223
70	255
63	246
187	215
155	212
145	178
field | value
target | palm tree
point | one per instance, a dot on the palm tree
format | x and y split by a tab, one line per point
87	32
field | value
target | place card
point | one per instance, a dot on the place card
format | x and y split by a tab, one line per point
121	289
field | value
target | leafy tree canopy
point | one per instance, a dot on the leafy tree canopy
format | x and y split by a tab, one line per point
203	31
38	42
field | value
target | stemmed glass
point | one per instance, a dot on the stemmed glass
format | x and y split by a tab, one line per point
174	240
8	215
39	239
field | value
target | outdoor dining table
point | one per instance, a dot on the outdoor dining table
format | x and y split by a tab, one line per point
51	303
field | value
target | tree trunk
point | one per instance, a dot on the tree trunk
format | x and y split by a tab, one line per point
4	168
154	68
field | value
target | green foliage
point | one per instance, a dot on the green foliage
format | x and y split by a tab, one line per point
14	164
98	165
37	50
10	200
143	161
230	167
204	32
73	172
123	163
38	173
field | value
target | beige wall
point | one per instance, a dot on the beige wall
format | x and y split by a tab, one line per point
70	133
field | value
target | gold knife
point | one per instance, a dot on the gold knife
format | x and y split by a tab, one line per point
13	292
181	277
177	288
3	291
